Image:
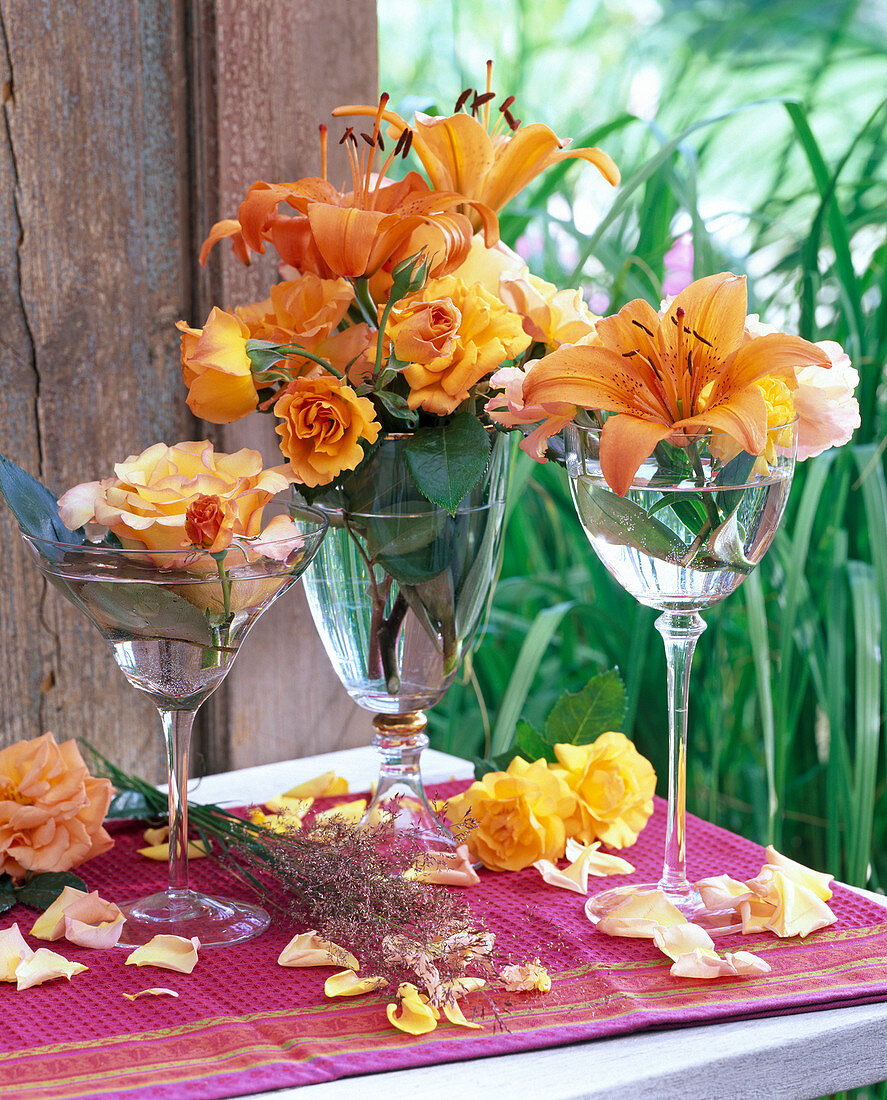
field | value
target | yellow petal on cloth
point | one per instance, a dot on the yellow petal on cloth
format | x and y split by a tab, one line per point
13	949
798	911
347	984
682	939
310	949
454	988
640	916
346	811
454	1014
319	787
756	914
276	823
167	952
288	804
156	836
156	992
45	966
446	869
414	1014
525	977
90	921
587	861
817	881
722	892
160	852
50	925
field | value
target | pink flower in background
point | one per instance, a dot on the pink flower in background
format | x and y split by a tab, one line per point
508	408
828	412
678	265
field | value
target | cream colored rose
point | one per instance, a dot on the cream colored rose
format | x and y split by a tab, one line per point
146	503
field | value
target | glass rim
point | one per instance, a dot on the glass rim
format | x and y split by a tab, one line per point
192	552
703	433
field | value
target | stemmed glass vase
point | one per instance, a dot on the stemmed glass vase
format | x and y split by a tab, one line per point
697	519
397	593
175	622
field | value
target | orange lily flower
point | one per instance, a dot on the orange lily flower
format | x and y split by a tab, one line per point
460	153
355	233
687	370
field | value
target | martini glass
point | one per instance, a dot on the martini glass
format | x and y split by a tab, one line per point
697	519
174	622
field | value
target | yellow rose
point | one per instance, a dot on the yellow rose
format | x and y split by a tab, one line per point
613	785
518	815
51	808
216	368
146	503
321	423
488	334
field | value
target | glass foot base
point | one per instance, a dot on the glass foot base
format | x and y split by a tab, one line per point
643	895
214	921
413	824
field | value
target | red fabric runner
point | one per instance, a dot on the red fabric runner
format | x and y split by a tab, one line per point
243	1024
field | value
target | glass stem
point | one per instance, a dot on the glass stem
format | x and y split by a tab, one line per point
679	630
177	732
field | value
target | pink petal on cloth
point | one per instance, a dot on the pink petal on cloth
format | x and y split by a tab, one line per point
13	949
747	964
722	892
756	915
50	925
310	949
45	966
167	952
90	921
702	963
446	869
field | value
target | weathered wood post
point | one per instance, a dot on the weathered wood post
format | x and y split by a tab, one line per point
128	128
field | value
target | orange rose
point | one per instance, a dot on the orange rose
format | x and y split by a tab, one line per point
614	788
423	331
146	504
518	815
51	808
205	524
217	369
322	421
488	335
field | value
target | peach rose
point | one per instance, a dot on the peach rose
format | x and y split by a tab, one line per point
321	421
146	503
613	785
51	808
423	331
216	368
518	815
488	335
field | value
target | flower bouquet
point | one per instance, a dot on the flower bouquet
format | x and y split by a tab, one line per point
397	315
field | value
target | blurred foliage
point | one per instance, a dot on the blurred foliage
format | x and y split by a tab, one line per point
758	128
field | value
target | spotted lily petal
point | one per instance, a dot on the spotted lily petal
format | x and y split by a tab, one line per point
167	952
310	949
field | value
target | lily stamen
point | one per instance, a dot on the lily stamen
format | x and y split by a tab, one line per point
463	99
323	145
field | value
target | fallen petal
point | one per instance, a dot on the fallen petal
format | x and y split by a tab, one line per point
756	914
285	804
322	785
640	915
13	949
45	966
747	964
92	922
722	892
156	836
50	925
159	992
160	852
454	1014
347	984
682	939
167	952
347	811
446	869
414	1014
702	963
554	877
816	881
310	949
525	977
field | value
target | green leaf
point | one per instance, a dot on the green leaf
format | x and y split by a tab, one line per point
397	407
579	718
484	765
7	893
33	505
531	744
144	610
626	523
130	804
41	891
447	462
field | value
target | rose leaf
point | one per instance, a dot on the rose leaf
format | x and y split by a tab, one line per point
40	891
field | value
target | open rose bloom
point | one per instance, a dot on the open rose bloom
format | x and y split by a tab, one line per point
51	808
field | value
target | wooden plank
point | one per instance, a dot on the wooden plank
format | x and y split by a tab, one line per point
270	72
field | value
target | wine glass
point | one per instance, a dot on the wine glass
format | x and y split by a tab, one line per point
175	622
698	517
397	593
